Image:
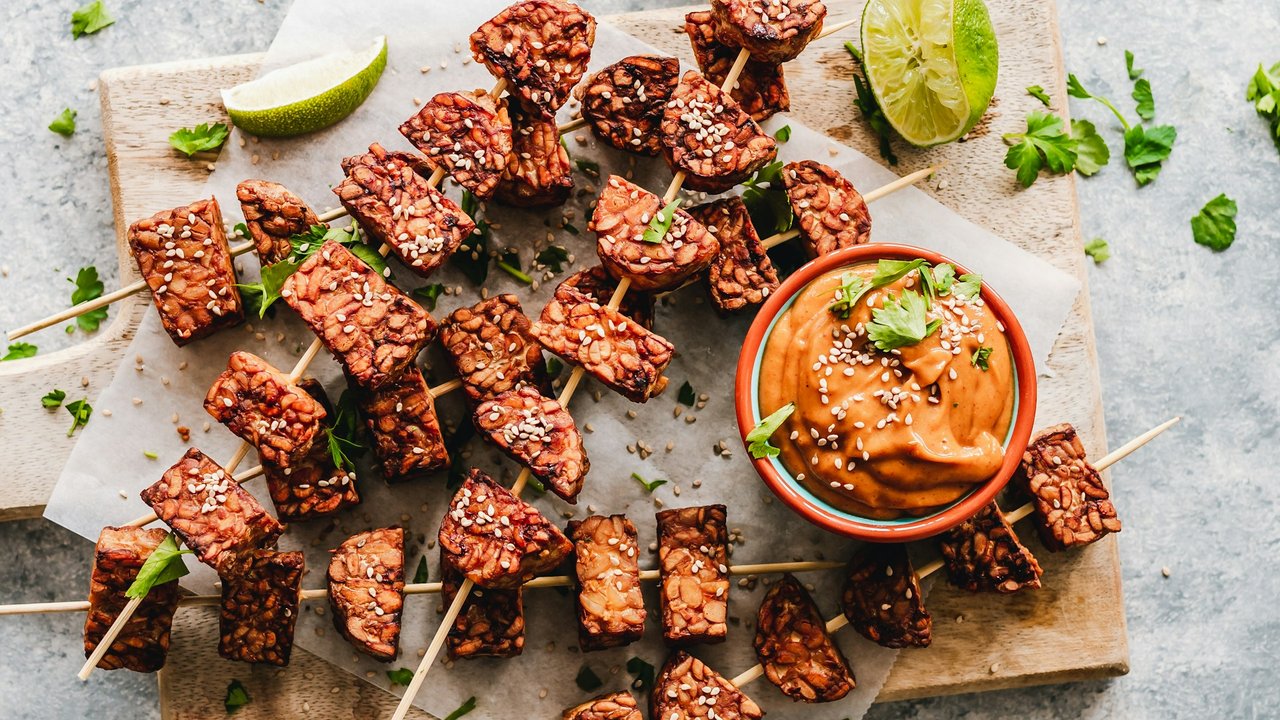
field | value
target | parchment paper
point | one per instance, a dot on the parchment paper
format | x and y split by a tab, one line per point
159	386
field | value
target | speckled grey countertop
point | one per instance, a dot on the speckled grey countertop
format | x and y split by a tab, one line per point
1180	330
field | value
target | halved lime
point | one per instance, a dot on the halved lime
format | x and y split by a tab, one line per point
308	96
931	64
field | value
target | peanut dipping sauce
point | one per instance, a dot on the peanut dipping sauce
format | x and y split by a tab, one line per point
887	434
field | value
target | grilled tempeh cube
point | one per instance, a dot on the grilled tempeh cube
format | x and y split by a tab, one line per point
1072	506
692	555
607	565
497	539
624	101
540	47
742	274
686	689
830	213
492	349
761	89
881	598
775	31
312	487
262	406
468	135
596	283
401	417
273	214
397	206
614	706
620	221
183	257
215	517
983	554
618	352
260	608
491	622
538	432
538	170
143	642
706	135
374	330
366	590
796	650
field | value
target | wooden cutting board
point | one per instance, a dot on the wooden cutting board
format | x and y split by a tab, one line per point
1072	629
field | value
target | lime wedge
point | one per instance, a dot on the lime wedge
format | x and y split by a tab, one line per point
308	96
931	64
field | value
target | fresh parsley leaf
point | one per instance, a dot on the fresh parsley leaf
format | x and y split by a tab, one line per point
472	256
1146	149
343	433
643	671
661	223
400	676
900	322
237	696
306	243
1076	89
783	134
89	19
1045	144
371	257
421	574
65	123
865	101
241	230
587	679
1264	92
968	286
944	277
981	358
687	396
1134	73
80	411
1092	152
463	709
262	294
428	294
251	298
19	350
852	288
88	287
1038	93
1215	225
589	167
163	565
766	199
649	486
1146	101
509	262
190	141
891	271
554	366
553	257
53	399
758	439
1097	249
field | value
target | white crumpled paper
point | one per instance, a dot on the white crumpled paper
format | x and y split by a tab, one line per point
159	386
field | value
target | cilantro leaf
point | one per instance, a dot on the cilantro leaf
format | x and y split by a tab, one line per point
421	575
1264	92
643	671
553	257
968	286
89	19
1092	152
472	256
262	294
163	565
80	411
1146	101
783	134
981	358
1045	144
852	288
19	350
891	271
428	294
371	257
509	262
944	277
587	679
649	486
758	439
900	322
687	396
767	200
865	101
466	707
1134	73
1146	149
400	676
1215	225
237	696
190	141
65	123
1076	89
53	399
661	223
1038	93
343	434
1097	249
88	287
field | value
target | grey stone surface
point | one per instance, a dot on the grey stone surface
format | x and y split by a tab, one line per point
1181	330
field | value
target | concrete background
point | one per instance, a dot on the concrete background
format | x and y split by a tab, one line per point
1181	330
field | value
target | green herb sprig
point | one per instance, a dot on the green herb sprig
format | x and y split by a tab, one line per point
758	439
202	137
163	565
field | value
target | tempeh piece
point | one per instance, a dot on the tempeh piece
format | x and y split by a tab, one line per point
143	642
374	330
492	348
775	31
263	407
830	213
366	591
687	689
260	608
539	433
692	559
624	101
760	88
742	274
1072	506
614	706
615	350
183	256
596	283
395	205
491	622
540	47
538	170
466	134
706	135
402	421
209	511
312	487
607	565
795	649
497	539
273	214
881	598
983	554
620	221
